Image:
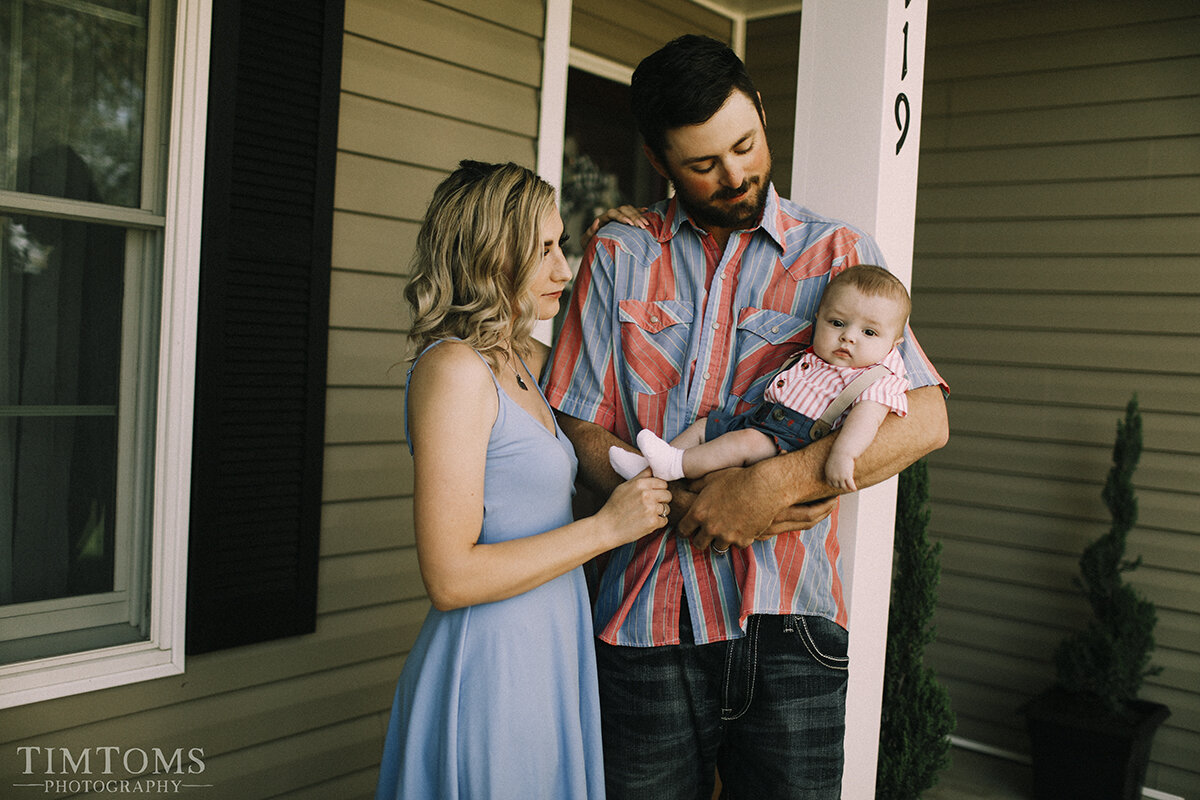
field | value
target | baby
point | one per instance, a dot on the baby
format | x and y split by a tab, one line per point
860	321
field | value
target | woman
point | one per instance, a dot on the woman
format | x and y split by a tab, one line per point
498	697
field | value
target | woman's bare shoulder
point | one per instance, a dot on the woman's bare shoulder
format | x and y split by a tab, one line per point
452	372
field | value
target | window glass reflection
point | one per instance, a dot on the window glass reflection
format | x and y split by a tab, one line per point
73	87
61	285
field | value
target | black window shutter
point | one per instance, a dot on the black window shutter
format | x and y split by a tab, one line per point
263	321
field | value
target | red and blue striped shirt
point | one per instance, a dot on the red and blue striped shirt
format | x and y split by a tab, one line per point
662	329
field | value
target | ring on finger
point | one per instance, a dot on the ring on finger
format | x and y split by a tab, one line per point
666	510
719	550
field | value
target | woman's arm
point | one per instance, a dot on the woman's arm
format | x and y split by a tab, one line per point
452	406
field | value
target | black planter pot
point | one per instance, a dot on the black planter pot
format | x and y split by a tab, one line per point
1081	751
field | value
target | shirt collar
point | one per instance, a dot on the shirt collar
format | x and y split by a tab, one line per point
894	361
676	216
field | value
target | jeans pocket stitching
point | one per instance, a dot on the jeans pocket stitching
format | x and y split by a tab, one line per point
725	709
833	662
750	642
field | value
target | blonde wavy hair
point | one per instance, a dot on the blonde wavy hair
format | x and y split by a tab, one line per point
477	253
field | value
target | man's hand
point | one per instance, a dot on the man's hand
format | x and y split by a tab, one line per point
800	517
733	508
683	495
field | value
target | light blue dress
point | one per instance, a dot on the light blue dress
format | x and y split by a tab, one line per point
500	700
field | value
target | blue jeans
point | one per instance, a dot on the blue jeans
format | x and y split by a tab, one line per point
789	429
768	710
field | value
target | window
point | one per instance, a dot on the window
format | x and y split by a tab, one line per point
99	216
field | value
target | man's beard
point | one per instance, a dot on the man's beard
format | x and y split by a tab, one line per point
743	214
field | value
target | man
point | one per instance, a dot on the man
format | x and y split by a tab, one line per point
722	637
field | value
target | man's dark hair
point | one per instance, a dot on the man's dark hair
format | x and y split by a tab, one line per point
684	83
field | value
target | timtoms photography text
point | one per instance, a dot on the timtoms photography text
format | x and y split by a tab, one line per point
110	769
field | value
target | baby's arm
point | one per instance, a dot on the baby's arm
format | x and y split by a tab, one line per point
855	435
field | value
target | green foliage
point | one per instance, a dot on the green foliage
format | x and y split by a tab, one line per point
916	722
1110	659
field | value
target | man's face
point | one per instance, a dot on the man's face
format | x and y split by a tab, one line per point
721	167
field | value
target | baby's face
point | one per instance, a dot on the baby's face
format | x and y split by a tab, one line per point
855	329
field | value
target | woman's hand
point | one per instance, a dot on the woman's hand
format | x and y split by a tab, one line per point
635	508
624	214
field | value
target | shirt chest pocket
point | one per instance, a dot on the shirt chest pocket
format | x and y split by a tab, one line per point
765	338
654	342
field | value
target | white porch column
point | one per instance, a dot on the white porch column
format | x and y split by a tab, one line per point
552	112
858	111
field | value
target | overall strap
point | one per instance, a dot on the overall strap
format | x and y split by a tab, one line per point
856	387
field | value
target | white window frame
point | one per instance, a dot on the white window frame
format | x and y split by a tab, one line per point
162	653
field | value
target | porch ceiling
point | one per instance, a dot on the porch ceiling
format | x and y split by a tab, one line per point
752	9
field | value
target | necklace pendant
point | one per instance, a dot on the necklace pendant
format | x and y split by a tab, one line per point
520	381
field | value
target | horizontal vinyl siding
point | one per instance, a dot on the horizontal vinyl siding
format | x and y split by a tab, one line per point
272	718
1057	272
424	85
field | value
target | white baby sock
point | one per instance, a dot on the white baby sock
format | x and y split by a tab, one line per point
626	464
666	462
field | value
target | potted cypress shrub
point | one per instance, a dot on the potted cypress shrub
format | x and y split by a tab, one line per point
1089	734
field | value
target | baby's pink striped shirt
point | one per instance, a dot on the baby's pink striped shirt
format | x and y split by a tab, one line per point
811	384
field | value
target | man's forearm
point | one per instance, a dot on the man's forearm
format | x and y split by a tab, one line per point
591	444
799	477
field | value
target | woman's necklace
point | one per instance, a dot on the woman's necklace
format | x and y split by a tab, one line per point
516	374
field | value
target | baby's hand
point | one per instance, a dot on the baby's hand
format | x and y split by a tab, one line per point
839	471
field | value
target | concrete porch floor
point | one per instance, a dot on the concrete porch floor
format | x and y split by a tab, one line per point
975	776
